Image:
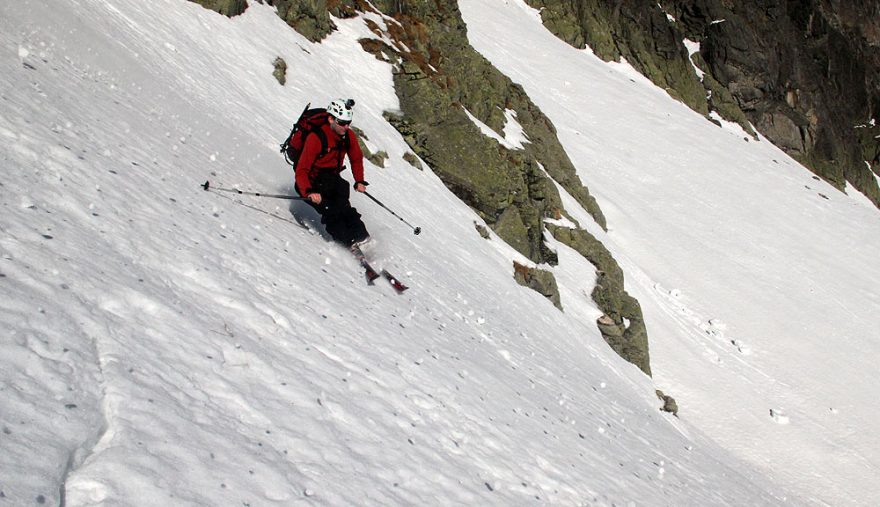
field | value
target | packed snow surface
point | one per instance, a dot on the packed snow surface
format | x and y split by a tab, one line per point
167	345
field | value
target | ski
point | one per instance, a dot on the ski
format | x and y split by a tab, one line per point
369	272
372	274
397	284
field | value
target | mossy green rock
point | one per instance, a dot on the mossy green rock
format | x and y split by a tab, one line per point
413	160
541	281
629	341
310	18
442	78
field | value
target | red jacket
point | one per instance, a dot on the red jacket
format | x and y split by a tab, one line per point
312	163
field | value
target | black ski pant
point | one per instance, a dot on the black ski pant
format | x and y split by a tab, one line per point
342	221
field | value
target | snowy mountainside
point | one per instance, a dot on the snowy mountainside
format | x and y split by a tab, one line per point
164	345
757	281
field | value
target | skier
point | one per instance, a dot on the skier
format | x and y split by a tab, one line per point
319	180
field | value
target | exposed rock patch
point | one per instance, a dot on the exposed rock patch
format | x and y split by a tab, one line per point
623	325
280	71
228	8
669	404
541	281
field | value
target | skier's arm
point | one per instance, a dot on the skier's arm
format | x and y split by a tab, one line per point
311	150
356	157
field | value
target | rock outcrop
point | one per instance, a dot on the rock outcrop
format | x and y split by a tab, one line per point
622	326
541	281
443	83
311	18
805	74
280	72
228	8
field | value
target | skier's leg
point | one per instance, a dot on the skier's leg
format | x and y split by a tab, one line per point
343	222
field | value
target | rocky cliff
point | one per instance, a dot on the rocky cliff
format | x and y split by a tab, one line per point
805	74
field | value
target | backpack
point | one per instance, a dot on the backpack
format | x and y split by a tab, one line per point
309	121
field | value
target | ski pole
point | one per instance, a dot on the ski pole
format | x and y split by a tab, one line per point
416	230
207	186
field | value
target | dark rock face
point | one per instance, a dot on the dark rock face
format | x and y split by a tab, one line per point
801	81
228	8
541	281
805	74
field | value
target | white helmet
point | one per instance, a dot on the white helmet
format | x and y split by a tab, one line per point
341	109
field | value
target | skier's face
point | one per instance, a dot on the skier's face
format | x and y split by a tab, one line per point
339	126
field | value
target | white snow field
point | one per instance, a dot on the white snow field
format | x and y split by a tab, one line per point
164	345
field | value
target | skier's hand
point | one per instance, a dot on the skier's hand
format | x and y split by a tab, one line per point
360	187
315	198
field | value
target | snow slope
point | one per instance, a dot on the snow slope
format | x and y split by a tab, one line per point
163	345
759	283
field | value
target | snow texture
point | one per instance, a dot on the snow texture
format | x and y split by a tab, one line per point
164	345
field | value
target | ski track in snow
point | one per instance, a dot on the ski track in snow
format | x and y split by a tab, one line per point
706	332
